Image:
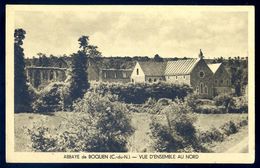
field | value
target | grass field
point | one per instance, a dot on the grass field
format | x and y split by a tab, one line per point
139	142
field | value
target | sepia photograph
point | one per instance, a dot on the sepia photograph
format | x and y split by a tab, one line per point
159	84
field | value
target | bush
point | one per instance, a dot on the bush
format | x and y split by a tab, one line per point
140	92
223	100
243	123
163	139
230	128
211	135
180	134
50	99
238	105
100	124
41	139
209	109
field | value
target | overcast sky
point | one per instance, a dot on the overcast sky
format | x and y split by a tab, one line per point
168	33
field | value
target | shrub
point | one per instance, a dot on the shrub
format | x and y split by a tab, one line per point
223	100
50	99
243	123
164	141
238	105
41	139
180	134
140	92
193	101
211	135
230	128
100	124
209	109
232	104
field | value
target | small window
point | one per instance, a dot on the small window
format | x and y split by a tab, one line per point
105	75
216	82
184	76
150	80
160	79
221	81
176	77
201	74
132	80
115	75
154	80
137	71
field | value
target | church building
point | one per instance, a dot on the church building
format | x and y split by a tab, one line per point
194	72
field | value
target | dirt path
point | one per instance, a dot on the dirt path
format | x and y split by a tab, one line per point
140	141
241	147
235	143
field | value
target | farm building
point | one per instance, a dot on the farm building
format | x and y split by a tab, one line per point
148	72
193	72
221	78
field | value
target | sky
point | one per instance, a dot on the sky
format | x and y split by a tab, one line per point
141	32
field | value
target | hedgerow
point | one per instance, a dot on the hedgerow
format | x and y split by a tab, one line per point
140	92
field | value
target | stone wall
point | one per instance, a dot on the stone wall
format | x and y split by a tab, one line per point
115	75
152	79
178	79
202	84
38	76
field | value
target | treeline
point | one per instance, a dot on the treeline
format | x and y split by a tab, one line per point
117	62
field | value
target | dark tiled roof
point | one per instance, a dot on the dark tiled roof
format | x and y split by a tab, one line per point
153	68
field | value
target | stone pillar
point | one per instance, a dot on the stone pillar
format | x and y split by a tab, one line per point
41	77
54	75
48	75
33	77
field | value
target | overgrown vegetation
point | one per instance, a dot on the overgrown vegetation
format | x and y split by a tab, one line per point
140	92
99	124
180	133
219	134
223	103
51	98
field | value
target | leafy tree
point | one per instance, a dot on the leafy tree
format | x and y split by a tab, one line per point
80	62
79	77
83	42
22	99
43	60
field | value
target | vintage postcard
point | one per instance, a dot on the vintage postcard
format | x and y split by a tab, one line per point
130	84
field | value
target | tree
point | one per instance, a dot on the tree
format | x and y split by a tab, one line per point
157	58
43	60
83	42
22	99
79	76
80	62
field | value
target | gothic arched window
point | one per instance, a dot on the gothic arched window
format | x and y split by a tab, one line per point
201	87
